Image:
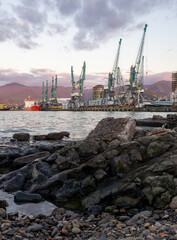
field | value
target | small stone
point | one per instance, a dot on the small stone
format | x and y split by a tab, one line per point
152	228
157	224
3	213
64	231
122	210
35	228
149	237
90	218
76	230
124	218
133	230
146	225
28	235
54	232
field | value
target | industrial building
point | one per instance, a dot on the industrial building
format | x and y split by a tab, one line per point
98	92
174	87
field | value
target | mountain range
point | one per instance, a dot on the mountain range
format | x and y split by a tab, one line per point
15	93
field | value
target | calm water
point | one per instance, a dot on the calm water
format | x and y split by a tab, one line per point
79	124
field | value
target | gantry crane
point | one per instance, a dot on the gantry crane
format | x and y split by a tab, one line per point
114	77
136	76
77	98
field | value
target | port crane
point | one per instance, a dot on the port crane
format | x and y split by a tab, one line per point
114	77
77	97
134	92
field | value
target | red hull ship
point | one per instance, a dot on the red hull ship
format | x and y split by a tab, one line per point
31	105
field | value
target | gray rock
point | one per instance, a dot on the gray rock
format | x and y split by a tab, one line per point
64	163
88	148
27	197
21	136
35	227
40	137
173	203
114	144
89	201
88	184
109	129
164	166
135	155
100	175
137	216
157	148
15	183
94	210
159	189
121	164
57	135
3	213
28	235
52	157
22	161
3	204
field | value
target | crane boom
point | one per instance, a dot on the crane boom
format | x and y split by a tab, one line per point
52	87
136	68
43	92
115	71
56	86
46	92
116	63
82	78
72	80
140	52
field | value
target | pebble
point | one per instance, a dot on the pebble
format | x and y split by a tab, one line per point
76	230
103	227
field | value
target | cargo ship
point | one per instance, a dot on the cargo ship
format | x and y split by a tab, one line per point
4	107
31	105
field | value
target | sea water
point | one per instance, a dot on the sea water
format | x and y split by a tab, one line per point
79	124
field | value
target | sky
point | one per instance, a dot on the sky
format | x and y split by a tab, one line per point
43	38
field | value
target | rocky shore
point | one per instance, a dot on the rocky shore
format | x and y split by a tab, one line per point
118	183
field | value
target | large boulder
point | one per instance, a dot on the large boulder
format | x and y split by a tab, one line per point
88	148
157	148
27	197
15	183
111	128
159	189
57	135
22	161
21	136
40	137
121	164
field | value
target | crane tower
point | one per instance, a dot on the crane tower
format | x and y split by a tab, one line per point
77	97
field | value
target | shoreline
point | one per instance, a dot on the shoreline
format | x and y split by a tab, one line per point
118	173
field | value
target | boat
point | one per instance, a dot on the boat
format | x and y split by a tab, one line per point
4	107
52	105
31	105
161	103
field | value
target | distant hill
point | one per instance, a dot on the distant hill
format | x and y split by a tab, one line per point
158	89
15	93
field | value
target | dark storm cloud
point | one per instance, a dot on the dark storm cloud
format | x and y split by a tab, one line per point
24	22
68	7
21	33
98	20
31	15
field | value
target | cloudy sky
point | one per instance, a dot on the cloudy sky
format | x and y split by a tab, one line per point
41	38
